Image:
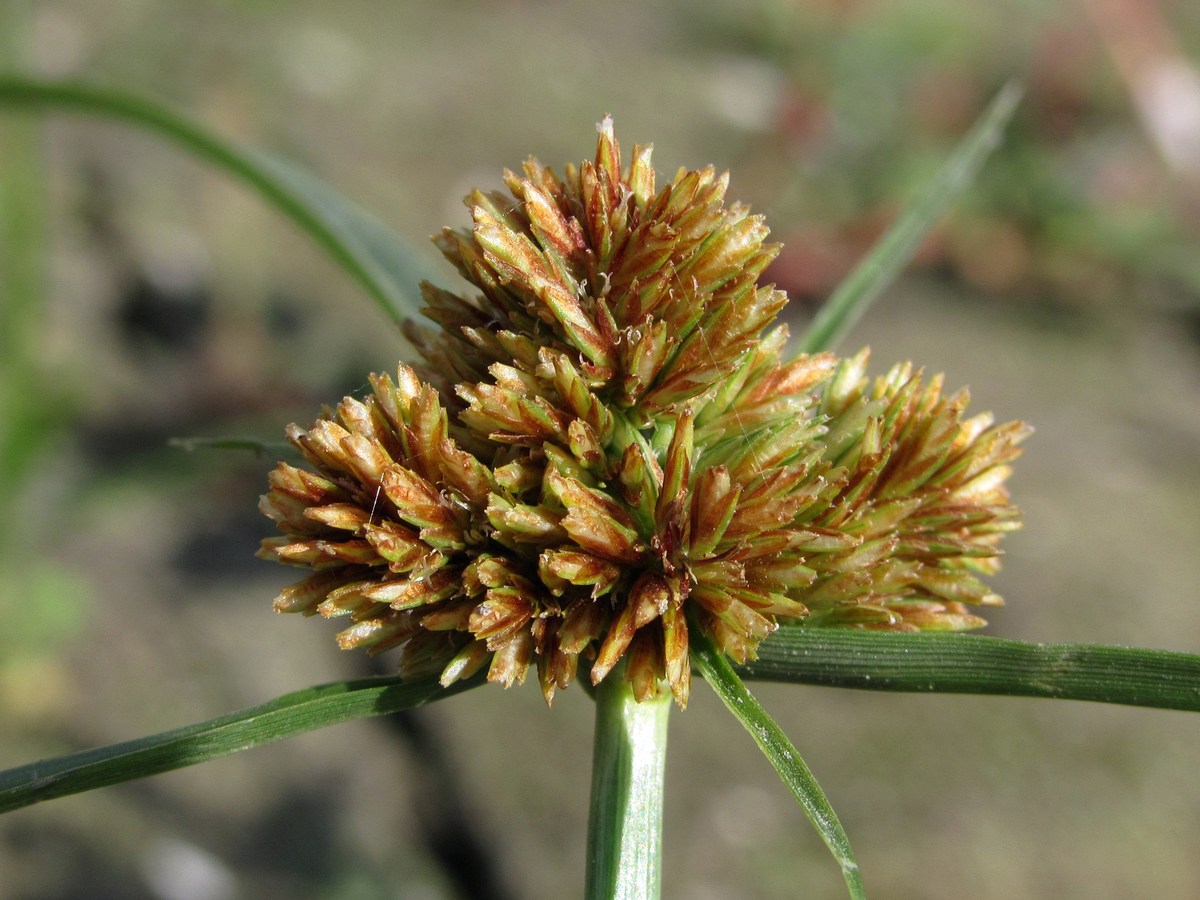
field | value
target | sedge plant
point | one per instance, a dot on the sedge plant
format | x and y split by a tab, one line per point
606	464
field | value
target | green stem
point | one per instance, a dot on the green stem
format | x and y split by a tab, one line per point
628	763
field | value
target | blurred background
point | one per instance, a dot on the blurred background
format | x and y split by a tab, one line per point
147	298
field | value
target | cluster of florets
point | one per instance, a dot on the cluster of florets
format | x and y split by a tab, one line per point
605	449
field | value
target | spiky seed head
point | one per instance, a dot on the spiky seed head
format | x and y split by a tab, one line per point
605	448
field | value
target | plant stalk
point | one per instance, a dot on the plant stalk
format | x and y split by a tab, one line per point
624	849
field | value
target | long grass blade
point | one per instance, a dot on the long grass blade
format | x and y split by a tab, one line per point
974	664
895	249
367	249
775	745
291	714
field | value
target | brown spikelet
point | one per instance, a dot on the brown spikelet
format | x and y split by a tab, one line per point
605	449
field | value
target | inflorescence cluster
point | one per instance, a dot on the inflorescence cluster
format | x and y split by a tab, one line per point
606	447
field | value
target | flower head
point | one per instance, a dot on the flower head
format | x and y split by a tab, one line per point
605	448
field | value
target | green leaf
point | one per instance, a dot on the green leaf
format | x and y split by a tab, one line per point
715	668
895	249
974	664
290	714
624	851
366	248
